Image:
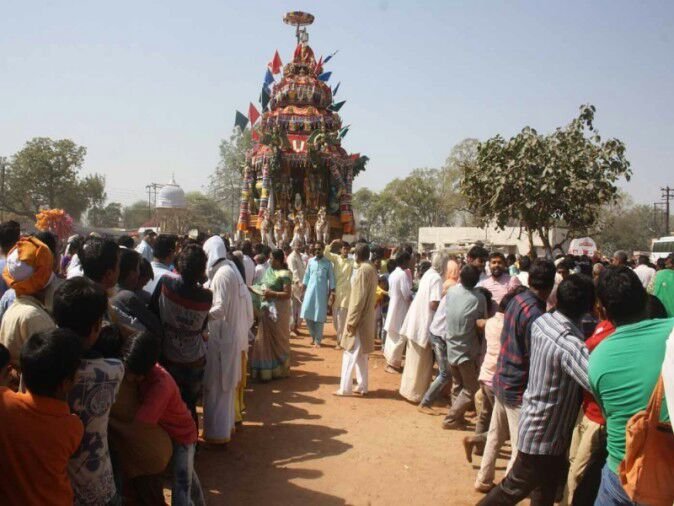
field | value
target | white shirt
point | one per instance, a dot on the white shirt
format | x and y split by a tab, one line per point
145	250
74	268
419	316
260	269
438	325
249	269
297	268
160	270
645	274
523	276
400	296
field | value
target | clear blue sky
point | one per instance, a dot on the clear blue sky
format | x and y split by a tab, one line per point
150	88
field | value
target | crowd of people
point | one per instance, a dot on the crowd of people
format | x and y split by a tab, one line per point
108	348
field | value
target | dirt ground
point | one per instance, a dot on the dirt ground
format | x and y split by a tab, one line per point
300	444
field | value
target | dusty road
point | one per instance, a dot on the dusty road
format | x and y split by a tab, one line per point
302	445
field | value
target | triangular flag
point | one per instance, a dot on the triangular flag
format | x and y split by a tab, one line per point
344	131
240	121
336	107
330	56
319	66
254	135
268	78
253	114
275	64
324	76
264	97
334	91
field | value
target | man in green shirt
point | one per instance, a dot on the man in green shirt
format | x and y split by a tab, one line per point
625	367
663	286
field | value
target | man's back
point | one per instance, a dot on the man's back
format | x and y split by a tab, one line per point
25	317
512	368
464	307
623	371
38	437
663	289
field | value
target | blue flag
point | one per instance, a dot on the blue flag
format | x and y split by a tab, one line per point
344	131
325	76
334	91
330	56
268	78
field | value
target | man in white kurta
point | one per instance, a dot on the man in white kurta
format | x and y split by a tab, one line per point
400	297
419	357
297	267
230	318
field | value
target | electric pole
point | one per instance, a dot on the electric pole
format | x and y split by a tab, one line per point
3	168
152	190
667	195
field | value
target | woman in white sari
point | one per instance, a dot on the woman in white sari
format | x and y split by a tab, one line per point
230	318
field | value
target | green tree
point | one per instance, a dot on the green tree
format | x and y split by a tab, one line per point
227	180
543	181
112	215
93	187
135	215
205	213
45	173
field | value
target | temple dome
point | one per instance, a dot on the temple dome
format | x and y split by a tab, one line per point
171	196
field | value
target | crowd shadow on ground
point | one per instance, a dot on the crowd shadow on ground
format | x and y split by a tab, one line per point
260	465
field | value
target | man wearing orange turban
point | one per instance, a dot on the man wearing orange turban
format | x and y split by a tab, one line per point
29	271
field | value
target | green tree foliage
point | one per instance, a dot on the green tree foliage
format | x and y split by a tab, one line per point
46	174
543	181
112	215
624	225
227	180
135	215
205	213
425	198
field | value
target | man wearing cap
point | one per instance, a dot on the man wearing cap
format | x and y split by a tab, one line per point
29	271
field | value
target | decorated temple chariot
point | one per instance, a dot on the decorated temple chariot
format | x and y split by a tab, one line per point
297	180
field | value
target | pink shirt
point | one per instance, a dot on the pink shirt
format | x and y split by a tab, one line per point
163	406
492	336
499	287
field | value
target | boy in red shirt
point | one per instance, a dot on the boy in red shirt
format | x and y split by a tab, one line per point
39	434
161	404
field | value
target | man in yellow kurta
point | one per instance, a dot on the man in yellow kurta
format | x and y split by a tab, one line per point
343	267
358	338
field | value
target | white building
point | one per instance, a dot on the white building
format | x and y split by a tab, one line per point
460	239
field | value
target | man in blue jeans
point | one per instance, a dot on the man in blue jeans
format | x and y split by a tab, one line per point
456	346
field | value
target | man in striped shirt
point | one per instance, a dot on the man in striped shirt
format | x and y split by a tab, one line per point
557	375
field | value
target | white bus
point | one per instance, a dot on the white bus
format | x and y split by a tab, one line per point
662	247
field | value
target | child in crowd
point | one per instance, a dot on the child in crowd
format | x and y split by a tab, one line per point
79	305
381	305
162	404
39	434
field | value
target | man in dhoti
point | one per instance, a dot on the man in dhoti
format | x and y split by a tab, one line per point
297	267
400	297
230	318
358	338
419	357
343	266
319	290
